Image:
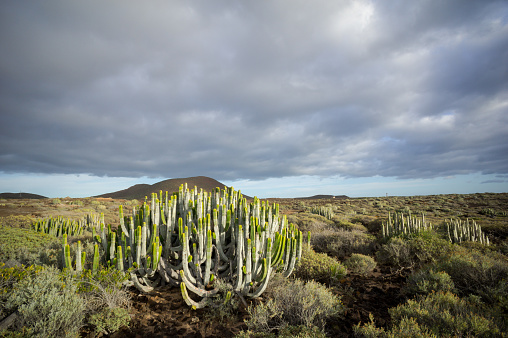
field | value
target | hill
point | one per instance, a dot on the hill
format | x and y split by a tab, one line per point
319	197
139	191
20	195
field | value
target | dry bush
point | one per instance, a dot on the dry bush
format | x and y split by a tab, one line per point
361	264
342	243
319	267
293	303
426	281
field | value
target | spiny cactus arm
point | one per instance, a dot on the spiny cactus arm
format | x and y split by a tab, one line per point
138	285
122	223
266	274
219	242
292	259
112	246
239	260
67	257
208	263
119	258
79	267
197	290
96	258
195	305
143	241
186	258
248	268
170	275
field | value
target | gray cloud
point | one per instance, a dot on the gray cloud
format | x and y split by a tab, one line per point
254	90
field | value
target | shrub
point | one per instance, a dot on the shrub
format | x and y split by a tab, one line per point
24	246
47	305
342	243
407	327
361	264
474	273
110	320
9	277
445	314
290	331
440	314
223	305
414	251
426	281
319	267
293	303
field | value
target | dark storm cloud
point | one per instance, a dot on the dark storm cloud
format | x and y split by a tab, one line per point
254	90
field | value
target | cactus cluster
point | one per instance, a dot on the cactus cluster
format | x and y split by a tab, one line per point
459	231
404	225
58	226
325	211
193	237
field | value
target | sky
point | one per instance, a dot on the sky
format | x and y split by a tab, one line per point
276	98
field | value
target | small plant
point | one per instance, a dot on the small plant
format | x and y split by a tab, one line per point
426	281
320	267
47	305
361	264
293	303
109	320
440	314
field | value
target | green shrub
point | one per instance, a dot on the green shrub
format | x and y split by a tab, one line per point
109	320
407	327
474	273
319	267
426	281
24	246
361	264
293	303
440	314
9	277
47	305
223	305
445	314
414	251
342	243
290	331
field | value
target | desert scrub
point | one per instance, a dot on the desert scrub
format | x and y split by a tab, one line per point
23	245
482	275
223	305
109	320
360	264
426	281
18	221
9	277
445	314
440	314
319	266
290	331
413	251
47	305
293	303
342	243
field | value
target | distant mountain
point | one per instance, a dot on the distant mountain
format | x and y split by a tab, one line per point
20	195
139	191
318	197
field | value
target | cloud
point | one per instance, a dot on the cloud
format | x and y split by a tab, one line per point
254	90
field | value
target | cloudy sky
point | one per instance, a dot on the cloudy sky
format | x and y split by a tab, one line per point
277	98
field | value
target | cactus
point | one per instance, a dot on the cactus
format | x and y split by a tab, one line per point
191	238
404	225
459	231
